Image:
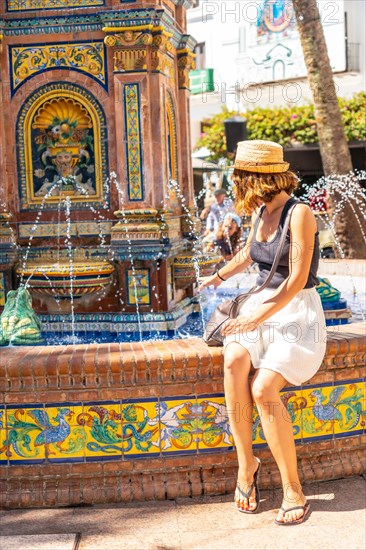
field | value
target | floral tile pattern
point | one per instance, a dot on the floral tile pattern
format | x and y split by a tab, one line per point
141	428
103	430
25	5
85	57
25	439
215	429
181	423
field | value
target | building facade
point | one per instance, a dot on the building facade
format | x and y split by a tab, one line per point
249	54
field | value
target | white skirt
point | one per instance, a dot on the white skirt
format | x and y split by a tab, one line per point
291	342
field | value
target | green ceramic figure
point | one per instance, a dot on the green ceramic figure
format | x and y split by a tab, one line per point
326	291
18	323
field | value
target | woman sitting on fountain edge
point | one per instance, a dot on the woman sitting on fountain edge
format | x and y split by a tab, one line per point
280	332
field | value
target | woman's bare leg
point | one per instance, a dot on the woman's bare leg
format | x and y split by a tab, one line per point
239	405
277	427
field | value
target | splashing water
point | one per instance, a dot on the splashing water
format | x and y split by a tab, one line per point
34	229
196	243
113	178
348	192
68	244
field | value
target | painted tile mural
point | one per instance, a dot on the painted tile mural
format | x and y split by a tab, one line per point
131	98
180	424
139	428
62	147
212	426
138	286
2	289
24	5
3	436
86	57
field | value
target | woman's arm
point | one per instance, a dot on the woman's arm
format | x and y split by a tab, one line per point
303	228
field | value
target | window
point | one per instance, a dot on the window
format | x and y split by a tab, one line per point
242	40
200	55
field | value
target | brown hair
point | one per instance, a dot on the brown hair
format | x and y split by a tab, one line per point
253	188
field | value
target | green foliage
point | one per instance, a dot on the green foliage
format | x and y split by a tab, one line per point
213	136
284	125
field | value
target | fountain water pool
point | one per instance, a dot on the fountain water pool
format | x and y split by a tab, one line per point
352	291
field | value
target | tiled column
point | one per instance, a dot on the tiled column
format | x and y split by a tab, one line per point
144	72
140	142
7	239
186	62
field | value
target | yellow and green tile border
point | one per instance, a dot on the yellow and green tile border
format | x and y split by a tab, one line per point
141	428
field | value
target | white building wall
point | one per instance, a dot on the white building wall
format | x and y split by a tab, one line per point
242	58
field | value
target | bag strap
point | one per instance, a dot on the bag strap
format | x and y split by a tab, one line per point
241	297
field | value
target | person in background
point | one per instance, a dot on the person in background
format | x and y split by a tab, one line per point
218	209
229	236
205	212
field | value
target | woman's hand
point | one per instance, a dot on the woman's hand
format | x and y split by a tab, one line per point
240	324
212	280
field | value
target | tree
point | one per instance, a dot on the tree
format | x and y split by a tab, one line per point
333	145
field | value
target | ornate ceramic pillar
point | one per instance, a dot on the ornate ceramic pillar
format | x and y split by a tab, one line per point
186	62
107	92
7	238
149	138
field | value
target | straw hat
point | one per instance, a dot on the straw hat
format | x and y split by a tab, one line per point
260	156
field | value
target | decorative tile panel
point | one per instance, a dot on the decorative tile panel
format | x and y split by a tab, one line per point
138	287
85	57
64	437
103	426
52	25
141	428
25	437
27	5
214	427
2	289
172	144
3	437
131	99
62	148
77	229
182	424
349	403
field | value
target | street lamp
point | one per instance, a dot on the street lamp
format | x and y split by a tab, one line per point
235	131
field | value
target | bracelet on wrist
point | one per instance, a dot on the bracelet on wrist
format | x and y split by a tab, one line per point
219	276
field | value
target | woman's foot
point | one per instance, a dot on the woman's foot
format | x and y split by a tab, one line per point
246	479
292	500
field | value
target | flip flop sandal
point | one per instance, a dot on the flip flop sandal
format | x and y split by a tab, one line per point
243	494
305	508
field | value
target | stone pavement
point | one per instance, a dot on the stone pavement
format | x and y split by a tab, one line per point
337	522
